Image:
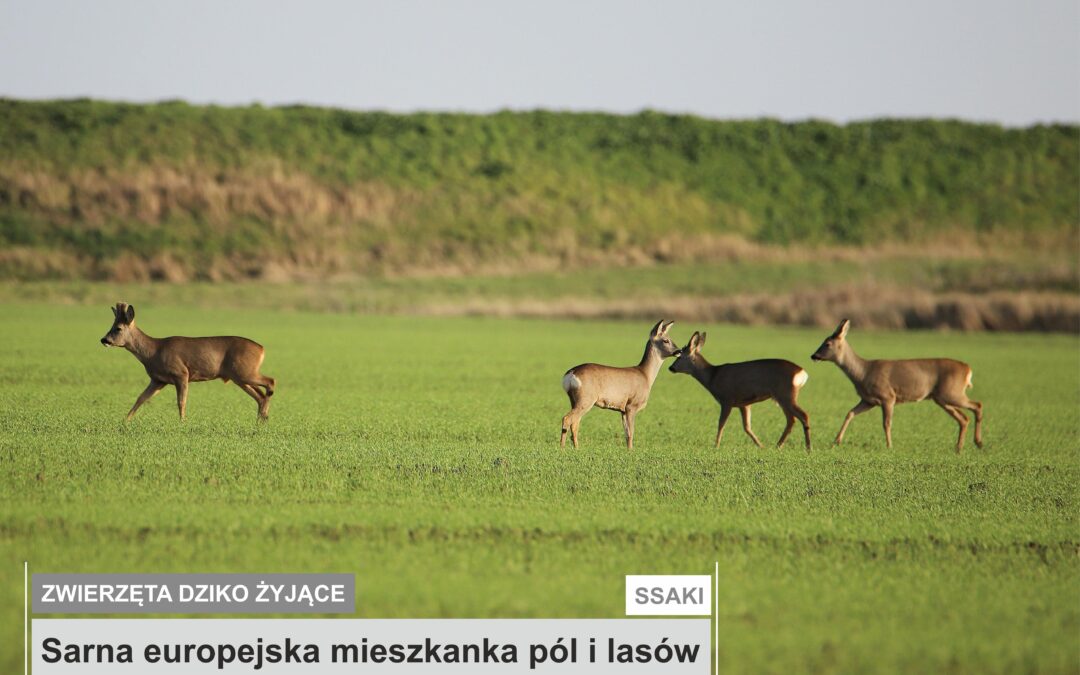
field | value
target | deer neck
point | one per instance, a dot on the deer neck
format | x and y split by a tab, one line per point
650	362
141	345
852	364
703	371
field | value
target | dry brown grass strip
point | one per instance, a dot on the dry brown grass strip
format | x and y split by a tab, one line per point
873	307
155	194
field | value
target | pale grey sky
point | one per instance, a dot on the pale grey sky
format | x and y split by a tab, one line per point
1011	61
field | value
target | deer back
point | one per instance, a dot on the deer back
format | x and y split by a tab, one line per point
207	358
609	383
755	380
907	380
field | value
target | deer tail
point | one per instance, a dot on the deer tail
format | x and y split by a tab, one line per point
570	382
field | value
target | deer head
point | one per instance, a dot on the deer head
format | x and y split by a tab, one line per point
834	346
120	333
658	338
690	355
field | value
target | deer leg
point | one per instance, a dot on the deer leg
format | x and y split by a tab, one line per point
575	427
181	396
628	427
860	408
569	421
572	421
268	384
745	411
960	418
794	412
886	421
961	402
264	404
151	390
804	420
976	408
253	392
725	410
787	428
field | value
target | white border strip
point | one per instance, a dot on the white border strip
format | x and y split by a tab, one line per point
716	616
26	617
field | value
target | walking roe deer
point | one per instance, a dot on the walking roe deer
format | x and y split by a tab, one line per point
740	385
887	382
623	389
180	360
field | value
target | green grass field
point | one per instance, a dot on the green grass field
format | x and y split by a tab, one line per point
422	454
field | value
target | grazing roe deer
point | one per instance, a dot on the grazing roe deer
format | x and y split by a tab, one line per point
886	382
180	360
623	389
740	385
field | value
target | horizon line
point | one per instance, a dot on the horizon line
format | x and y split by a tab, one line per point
255	103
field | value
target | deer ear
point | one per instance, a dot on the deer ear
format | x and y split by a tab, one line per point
701	341
114	314
667	326
656	330
695	341
842	329
130	314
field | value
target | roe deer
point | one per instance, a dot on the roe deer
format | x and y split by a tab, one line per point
622	389
888	382
180	360
740	385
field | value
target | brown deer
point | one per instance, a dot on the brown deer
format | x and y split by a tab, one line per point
180	360
740	385
886	382
623	389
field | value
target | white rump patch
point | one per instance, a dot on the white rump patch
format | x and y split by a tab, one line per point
967	385
800	378
570	381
